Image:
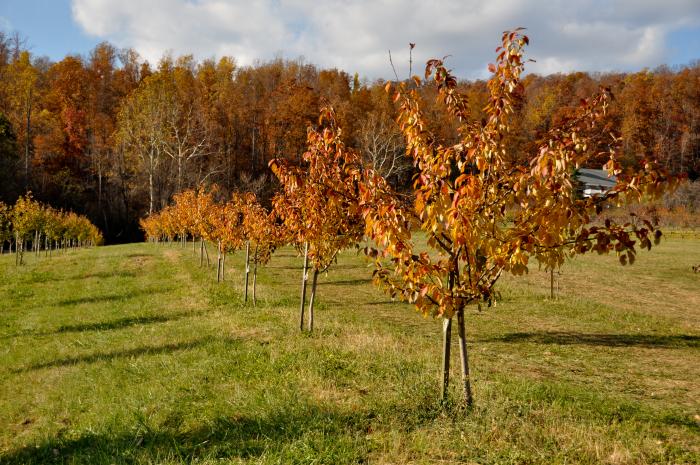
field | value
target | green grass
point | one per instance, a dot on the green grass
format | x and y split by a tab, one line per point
134	354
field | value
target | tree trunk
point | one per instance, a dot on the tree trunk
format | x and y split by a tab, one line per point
311	300
151	191
446	346
464	358
247	269
255	282
551	284
304	279
27	140
201	251
218	262
223	266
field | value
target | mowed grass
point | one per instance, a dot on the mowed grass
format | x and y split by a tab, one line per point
134	354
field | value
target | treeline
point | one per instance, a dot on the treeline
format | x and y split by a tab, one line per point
112	136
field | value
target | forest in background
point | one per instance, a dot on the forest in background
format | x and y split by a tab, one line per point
113	137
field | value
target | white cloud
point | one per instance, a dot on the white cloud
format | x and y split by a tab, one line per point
5	24
594	35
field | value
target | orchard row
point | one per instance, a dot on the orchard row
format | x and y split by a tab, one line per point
30	226
481	214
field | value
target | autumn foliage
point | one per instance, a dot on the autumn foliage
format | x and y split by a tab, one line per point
47	229
483	212
485	203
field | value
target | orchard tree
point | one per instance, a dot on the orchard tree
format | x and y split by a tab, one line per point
5	226
482	213
323	206
264	235
25	214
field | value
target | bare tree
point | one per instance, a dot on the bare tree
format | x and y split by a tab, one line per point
382	145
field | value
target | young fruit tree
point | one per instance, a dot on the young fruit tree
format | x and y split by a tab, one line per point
264	235
481	212
319	201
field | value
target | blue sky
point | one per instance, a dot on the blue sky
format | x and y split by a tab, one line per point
48	25
354	35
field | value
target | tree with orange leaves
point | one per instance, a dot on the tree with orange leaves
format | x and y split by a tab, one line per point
484	214
264	236
319	202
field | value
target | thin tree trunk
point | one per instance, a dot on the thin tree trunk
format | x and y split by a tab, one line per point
218	263
247	269
464	358
223	266
551	283
151	191
27	140
446	346
206	252
311	300
255	282
304	279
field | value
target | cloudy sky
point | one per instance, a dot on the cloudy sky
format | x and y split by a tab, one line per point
354	35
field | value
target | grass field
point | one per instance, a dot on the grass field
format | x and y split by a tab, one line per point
134	354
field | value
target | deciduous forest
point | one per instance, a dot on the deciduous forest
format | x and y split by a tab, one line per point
114	137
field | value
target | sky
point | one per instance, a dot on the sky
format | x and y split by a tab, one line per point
356	35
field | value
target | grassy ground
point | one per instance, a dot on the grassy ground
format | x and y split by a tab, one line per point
133	354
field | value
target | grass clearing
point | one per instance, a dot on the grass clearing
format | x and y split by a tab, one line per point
134	354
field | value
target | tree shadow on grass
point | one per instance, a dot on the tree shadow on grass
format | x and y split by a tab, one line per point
675	341
45	278
291	433
138	255
112	297
125	353
121	323
107	325
346	282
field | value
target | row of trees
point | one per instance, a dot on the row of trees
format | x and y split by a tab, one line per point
113	136
481	212
30	226
232	224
